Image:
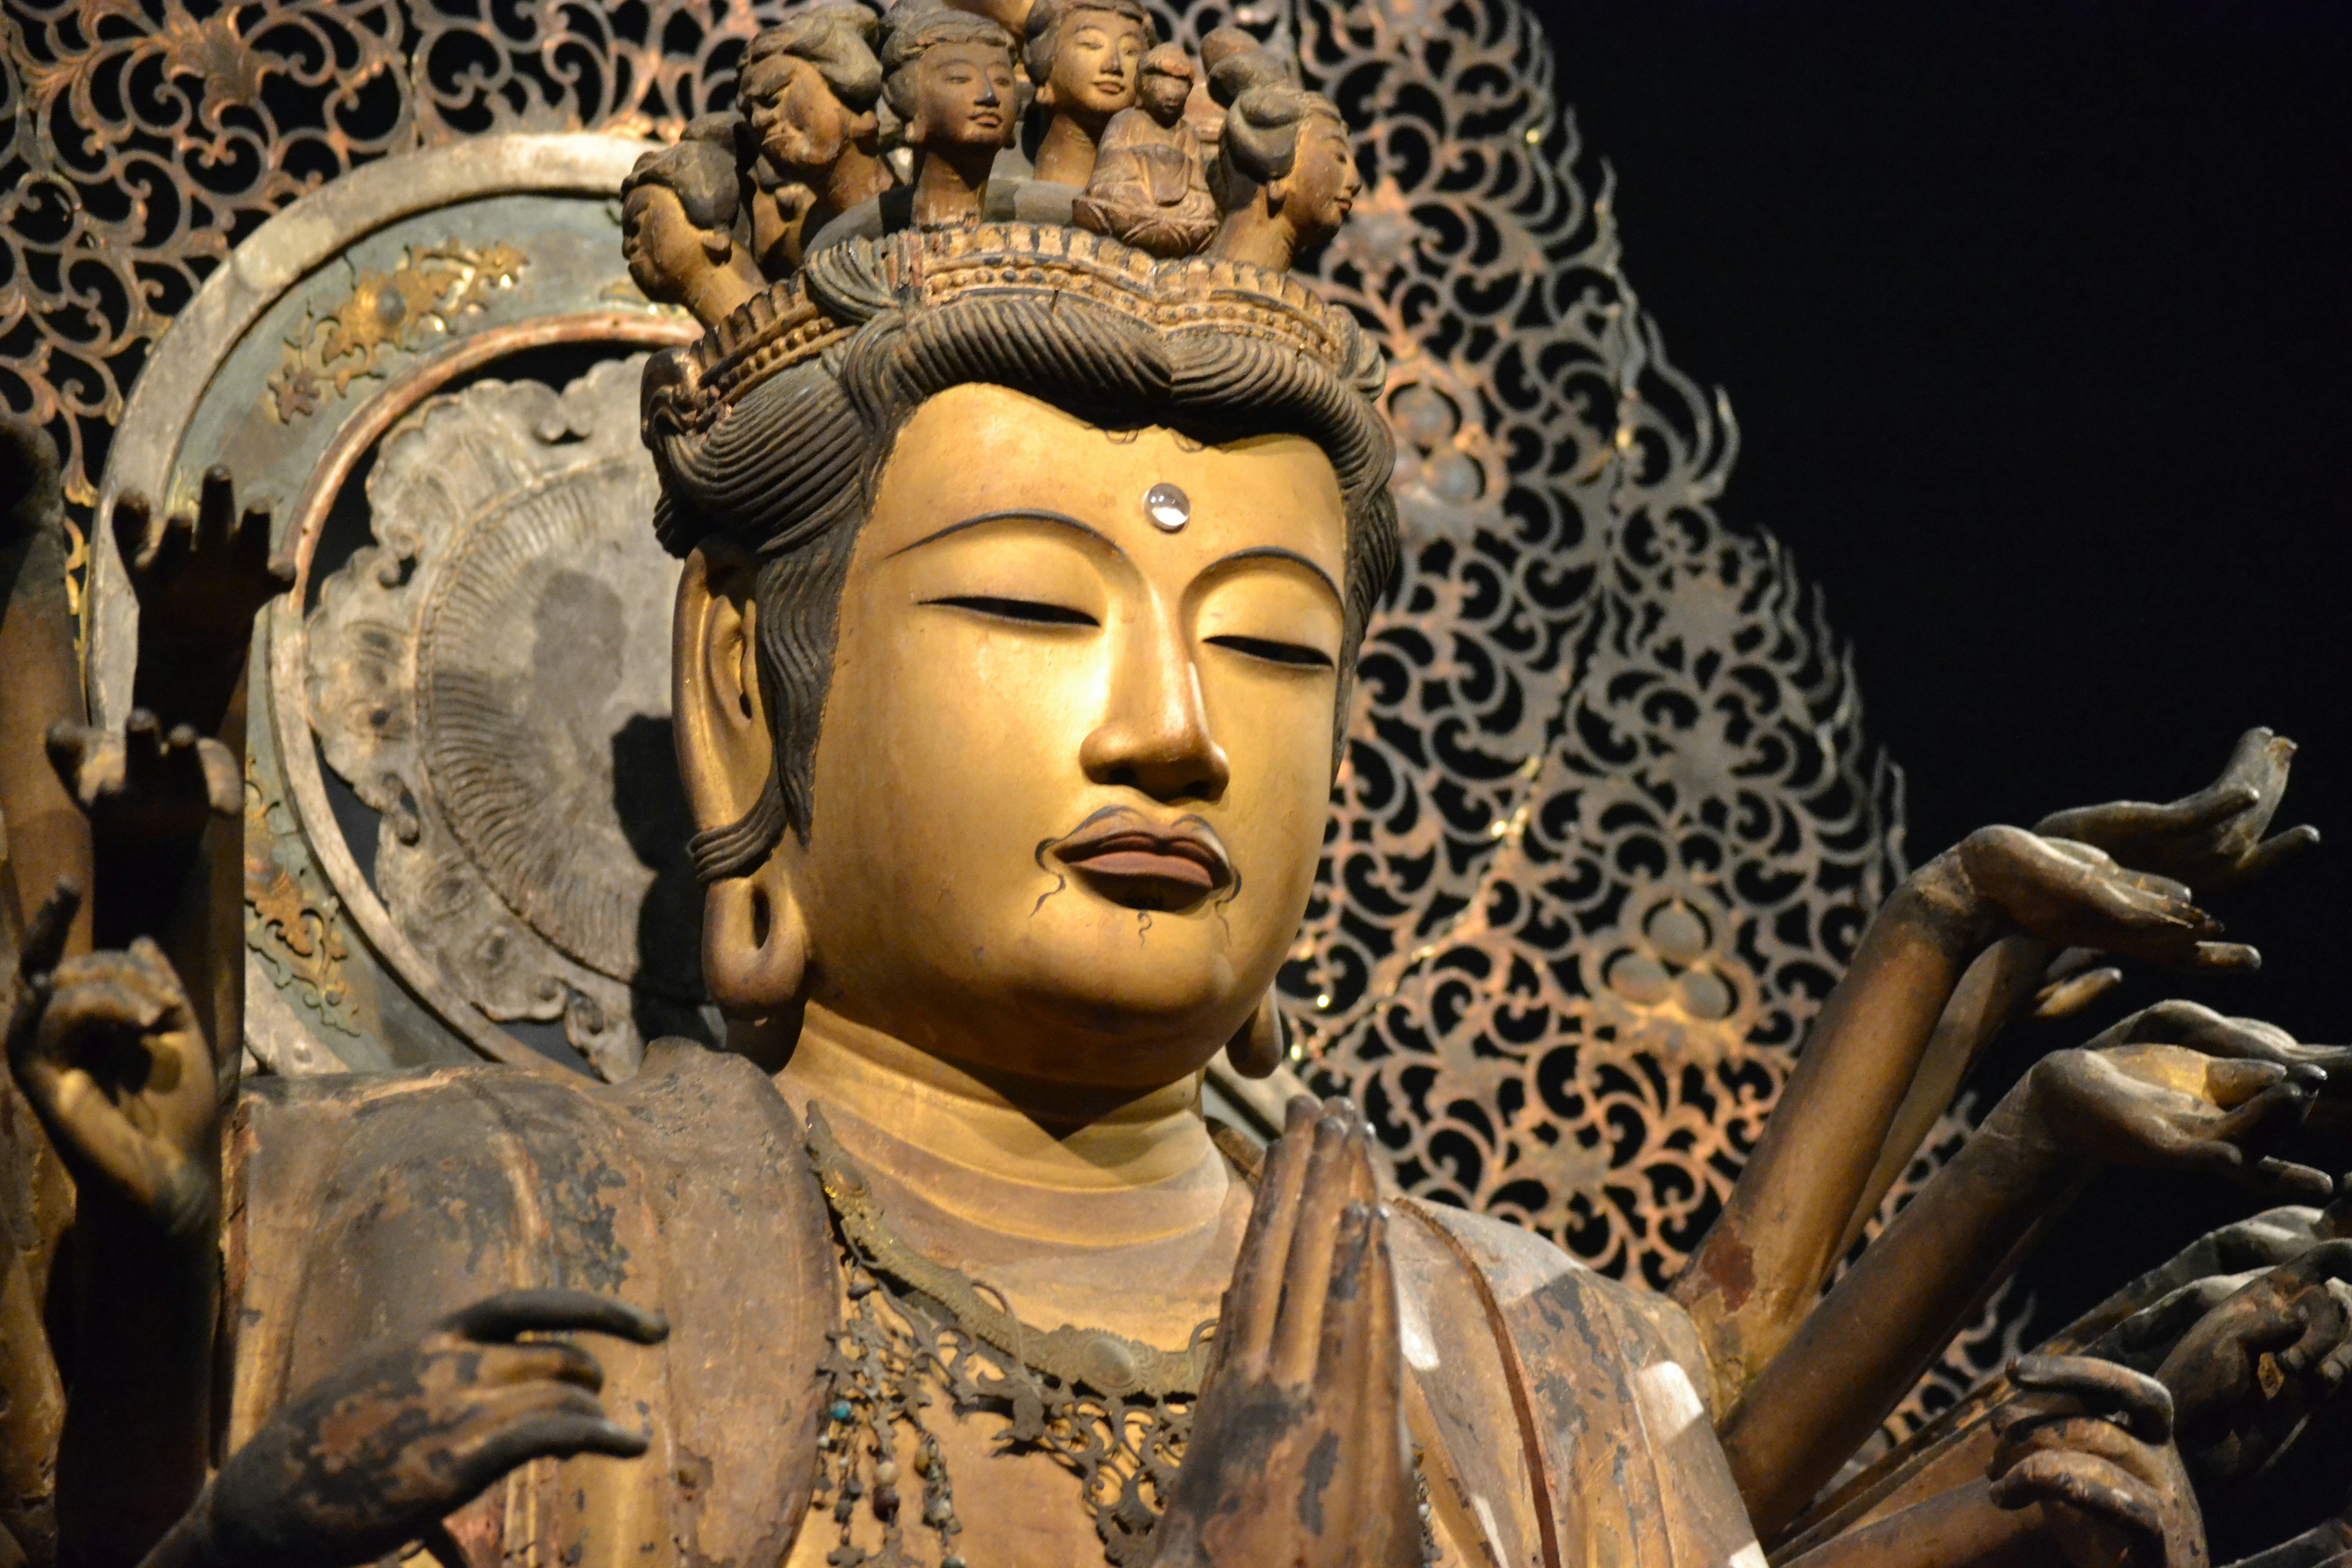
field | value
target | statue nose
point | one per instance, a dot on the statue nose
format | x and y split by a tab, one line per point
1154	735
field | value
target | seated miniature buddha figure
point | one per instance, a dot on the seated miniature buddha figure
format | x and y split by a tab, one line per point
683	227
1149	189
1290	175
809	90
1082	55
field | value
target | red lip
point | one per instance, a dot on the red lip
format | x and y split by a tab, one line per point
1146	865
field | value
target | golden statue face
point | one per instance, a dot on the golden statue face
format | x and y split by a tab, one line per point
1073	772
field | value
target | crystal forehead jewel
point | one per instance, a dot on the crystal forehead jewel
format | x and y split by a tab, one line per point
1166	507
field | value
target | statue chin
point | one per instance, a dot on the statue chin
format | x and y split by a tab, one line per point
1098	997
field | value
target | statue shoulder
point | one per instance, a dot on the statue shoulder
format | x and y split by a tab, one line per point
365	1208
1605	1383
1517	1263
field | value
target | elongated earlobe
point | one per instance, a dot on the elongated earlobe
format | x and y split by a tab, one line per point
1258	1047
754	944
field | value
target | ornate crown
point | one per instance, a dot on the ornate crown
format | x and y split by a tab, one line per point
849	284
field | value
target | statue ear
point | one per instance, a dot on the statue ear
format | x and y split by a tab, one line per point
755	943
1258	1047
719	714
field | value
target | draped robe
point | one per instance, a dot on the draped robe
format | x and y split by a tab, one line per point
1558	1410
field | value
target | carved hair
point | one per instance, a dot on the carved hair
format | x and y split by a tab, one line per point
700	171
837	40
1043	29
773	430
1235	67
1169	60
1261	129
918	27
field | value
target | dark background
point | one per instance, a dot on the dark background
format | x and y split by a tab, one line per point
2034	316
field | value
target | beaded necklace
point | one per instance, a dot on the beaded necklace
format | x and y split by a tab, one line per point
1113	1411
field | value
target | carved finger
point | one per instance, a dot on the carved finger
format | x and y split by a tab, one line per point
2069	996
168	559
517	1424
76	756
1253	1303
2235	1082
2329	1260
215	511
131	521
2336	1365
2050	1432
2095	1486
2069	962
501	1318
1307	1278
2138	1402
2225	956
553	1360
2286	1179
2323	1332
151	971
223	780
249	539
1342	1356
45	939
2215	805
1358	1374
2279	850
2166	891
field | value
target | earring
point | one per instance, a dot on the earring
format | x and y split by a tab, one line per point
754	944
1259	1046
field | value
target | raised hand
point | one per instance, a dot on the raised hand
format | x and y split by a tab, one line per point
145	788
374	1456
199	580
107	1049
2169	1105
2070	894
1299	1455
2090	1443
2249	1372
2242	1039
2209	839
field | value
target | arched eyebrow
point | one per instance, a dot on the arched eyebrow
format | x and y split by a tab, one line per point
1276	552
1022	514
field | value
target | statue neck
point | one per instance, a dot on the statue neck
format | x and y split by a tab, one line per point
1065	153
950	183
712	294
1250	232
1055	1162
857	175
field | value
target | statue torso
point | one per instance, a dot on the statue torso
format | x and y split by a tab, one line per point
1554	1408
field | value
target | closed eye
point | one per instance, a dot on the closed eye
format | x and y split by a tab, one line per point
1298	655
1032	612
